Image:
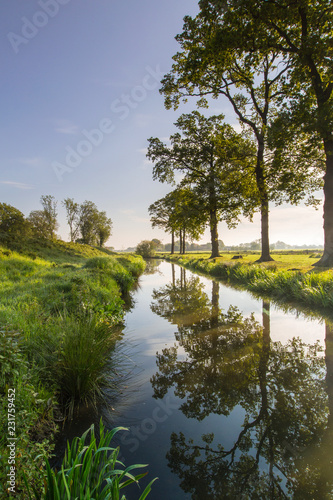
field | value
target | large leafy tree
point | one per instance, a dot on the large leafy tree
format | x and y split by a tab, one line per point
13	224
39	225
94	226
103	228
214	161
214	63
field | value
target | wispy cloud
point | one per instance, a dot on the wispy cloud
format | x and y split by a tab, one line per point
31	162
131	214
66	127
16	185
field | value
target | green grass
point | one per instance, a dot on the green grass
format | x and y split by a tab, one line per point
60	304
289	278
303	260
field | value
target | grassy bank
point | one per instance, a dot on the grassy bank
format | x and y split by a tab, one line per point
289	278
60	309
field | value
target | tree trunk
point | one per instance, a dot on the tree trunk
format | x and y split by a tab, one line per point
214	235
180	241
264	204
327	258
184	248
265	255
172	243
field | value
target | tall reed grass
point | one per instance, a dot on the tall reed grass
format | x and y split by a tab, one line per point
90	470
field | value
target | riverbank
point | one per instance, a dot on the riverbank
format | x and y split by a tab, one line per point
290	278
61	305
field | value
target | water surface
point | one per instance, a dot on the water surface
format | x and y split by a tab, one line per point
224	395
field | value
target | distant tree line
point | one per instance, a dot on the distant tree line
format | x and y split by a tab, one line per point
148	248
86	223
272	62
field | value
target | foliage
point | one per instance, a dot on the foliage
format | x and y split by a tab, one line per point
13	224
94	226
49	205
146	249
39	224
91	469
72	214
280	59
214	62
103	228
213	159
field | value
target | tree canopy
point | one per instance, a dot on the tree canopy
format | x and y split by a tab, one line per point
255	77
214	161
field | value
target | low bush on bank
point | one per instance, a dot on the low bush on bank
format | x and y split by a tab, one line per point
311	288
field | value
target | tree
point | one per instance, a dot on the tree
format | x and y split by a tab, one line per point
103	228
12	223
88	220
214	160
49	205
146	249
161	216
301	31
179	211
39	224
73	217
214	63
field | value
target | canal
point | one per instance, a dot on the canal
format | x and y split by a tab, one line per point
224	395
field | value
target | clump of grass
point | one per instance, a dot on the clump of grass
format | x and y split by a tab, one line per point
91	470
74	357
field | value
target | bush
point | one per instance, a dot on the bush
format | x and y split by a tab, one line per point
146	249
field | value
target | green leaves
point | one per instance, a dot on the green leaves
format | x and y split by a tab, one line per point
91	470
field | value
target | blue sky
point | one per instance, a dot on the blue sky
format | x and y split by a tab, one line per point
79	90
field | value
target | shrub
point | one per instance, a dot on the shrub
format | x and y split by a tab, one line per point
146	249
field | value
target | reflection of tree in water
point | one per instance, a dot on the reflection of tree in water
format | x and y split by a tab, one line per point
284	448
181	302
152	266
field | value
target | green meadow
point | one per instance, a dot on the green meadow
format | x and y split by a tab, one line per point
61	307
